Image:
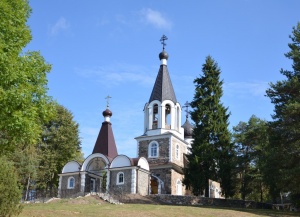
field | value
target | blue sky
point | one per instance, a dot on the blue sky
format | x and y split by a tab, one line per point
99	48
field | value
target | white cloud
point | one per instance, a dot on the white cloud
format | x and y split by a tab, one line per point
246	89
60	25
155	18
117	74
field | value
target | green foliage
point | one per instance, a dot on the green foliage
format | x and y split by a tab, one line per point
104	181
211	154
60	144
10	193
26	165
23	92
251	140
284	148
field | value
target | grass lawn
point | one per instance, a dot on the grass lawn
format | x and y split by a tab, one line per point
92	207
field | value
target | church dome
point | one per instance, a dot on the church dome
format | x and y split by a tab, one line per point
188	129
163	55
107	112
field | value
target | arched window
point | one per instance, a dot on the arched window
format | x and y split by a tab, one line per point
178	187
71	182
120	178
177	152
153	149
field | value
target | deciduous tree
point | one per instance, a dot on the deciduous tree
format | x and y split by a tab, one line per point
24	103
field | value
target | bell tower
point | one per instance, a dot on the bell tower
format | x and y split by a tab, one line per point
162	142
162	112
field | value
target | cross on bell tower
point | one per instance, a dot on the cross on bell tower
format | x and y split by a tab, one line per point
163	39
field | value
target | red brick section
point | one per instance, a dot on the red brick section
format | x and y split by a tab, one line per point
105	143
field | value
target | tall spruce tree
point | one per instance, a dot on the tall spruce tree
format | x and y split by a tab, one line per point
211	154
285	144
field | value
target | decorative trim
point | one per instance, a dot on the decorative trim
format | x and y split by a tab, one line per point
133	181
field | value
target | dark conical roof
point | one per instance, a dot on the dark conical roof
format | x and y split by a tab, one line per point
188	129
105	143
163	88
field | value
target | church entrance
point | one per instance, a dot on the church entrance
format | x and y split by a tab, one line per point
154	186
93	185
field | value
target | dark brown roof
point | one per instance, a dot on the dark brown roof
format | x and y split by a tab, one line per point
105	143
163	88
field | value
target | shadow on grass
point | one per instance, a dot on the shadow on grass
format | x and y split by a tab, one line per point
265	212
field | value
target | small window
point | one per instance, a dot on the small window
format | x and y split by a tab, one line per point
153	149
71	182
177	152
120	178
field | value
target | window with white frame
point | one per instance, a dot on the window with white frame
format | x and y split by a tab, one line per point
153	149
177	152
120	178
71	182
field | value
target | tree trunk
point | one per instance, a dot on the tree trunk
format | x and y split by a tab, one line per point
27	188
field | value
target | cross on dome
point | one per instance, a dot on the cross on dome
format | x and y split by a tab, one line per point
186	106
163	39
107	100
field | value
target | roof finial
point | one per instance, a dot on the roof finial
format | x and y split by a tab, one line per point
107	101
186	106
163	39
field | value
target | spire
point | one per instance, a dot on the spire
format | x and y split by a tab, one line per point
163	88
105	143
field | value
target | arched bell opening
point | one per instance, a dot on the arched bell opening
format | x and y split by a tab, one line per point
168	116
155	116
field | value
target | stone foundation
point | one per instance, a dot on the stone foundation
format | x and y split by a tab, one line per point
194	200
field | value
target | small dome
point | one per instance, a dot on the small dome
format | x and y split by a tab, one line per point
163	55
188	129
107	112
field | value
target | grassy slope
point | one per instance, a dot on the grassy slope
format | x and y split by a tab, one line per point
92	207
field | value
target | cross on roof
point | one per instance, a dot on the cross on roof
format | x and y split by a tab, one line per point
163	39
107	100
186	106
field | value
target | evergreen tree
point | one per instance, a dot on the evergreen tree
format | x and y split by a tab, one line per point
211	154
285	127
251	140
9	188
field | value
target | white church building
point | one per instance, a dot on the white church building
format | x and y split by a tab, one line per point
162	146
